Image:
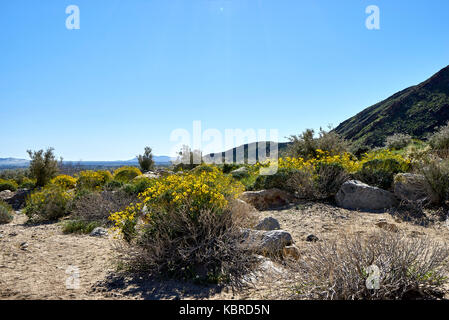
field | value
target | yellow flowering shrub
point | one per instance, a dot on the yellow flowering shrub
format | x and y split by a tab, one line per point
192	192
126	174
64	181
91	180
10	185
49	203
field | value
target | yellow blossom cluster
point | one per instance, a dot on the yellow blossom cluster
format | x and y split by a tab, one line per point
193	191
64	181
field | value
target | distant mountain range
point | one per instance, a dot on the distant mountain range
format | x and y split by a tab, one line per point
416	111
23	163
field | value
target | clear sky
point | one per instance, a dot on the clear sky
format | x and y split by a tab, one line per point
138	69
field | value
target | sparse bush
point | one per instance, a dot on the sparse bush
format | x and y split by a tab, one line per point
436	173
146	160
98	206
5	213
398	141
113	185
139	185
49	203
79	226
126	174
64	181
184	226
409	268
10	185
306	145
43	166
440	139
328	179
18	175
27	183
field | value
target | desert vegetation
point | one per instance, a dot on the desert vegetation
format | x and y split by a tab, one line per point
201	222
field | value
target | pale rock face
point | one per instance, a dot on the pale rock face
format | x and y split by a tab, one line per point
357	195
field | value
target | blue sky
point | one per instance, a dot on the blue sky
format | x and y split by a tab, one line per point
138	69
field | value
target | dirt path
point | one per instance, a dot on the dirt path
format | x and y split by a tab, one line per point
37	269
40	268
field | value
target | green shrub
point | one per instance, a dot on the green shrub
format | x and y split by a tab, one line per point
49	203
28	183
138	185
398	141
113	185
91	180
5	213
241	173
126	174
279	180
43	166
64	181
380	172
228	167
146	160
10	185
79	226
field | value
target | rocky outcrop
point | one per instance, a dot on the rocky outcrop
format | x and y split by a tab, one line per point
357	195
267	199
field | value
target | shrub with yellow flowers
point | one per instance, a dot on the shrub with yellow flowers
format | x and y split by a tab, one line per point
64	181
191	192
49	203
91	180
126	174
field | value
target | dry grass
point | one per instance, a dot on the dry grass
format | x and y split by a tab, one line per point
409	268
206	249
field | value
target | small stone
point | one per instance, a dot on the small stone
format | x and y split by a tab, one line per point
99	232
268	224
24	245
291	252
312	238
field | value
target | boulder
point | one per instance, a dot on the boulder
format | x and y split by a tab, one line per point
268	224
312	238
410	187
357	195
268	243
267	199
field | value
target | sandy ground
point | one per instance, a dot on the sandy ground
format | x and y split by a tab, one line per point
44	266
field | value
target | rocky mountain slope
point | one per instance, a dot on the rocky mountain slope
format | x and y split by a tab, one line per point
417	111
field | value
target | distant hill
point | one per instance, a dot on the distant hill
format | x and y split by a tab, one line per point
417	111
11	163
281	147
